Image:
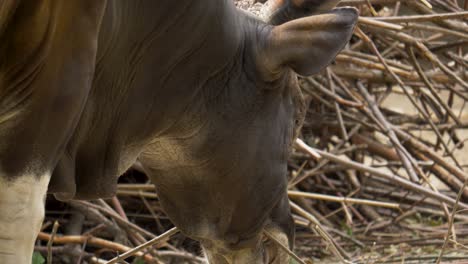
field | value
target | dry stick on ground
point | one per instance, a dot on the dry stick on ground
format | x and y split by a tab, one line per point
137	238
372	65
371	8
346	200
412	141
402	152
372	58
391	177
337	150
118	207
452	218
399	82
151	210
331	84
423	18
124	192
118	218
377	23
420	85
335	97
440	138
346	89
363	2
359	120
407	39
134	251
93	241
381	77
181	255
451	181
422	9
94	215
51	241
436	29
403	86
461	61
430	86
450	5
336	249
283	247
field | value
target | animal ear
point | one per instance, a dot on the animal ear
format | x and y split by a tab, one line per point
307	45
277	12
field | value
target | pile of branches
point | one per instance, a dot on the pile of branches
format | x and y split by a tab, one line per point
378	175
387	128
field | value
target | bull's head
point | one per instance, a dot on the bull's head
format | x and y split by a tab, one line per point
297	37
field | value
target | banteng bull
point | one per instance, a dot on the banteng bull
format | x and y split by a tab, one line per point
203	95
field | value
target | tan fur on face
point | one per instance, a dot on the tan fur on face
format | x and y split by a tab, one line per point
275	254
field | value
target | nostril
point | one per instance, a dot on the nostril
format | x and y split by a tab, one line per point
207	244
232	239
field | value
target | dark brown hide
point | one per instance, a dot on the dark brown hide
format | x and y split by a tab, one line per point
203	95
47	60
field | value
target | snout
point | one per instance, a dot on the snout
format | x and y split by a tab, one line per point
246	255
260	250
241	251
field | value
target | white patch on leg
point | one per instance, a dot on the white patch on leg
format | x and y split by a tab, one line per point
21	216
